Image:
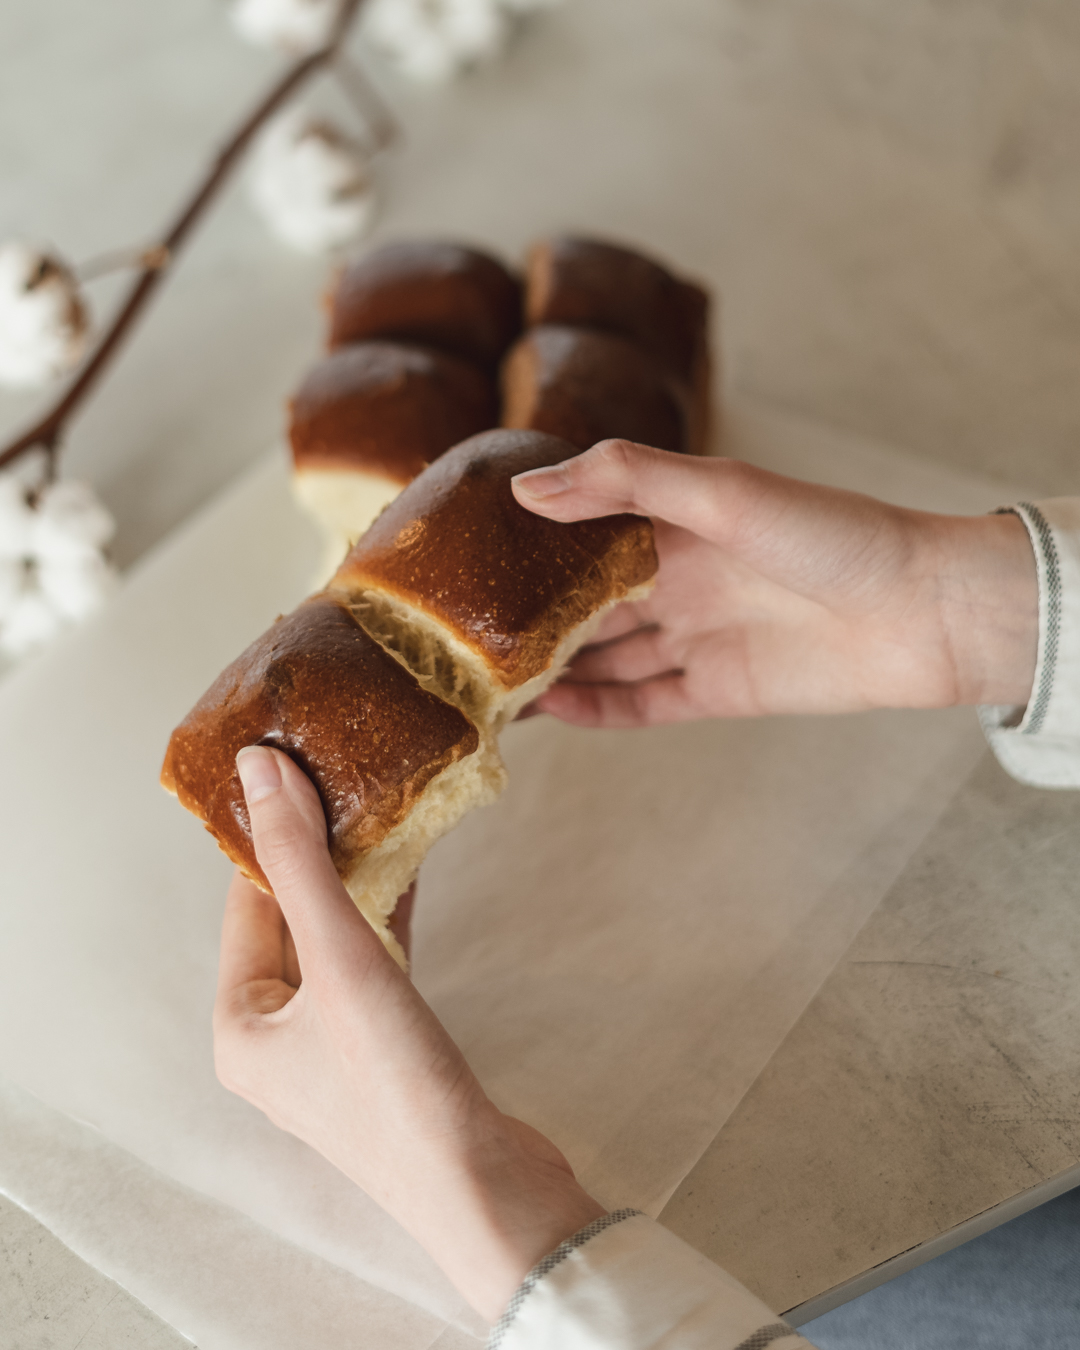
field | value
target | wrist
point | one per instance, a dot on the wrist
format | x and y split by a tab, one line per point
989	607
488	1216
518	1221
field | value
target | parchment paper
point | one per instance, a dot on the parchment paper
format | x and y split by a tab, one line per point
619	945
224	1282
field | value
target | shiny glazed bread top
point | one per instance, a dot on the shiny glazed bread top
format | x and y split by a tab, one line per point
510	584
387	406
433	292
318	687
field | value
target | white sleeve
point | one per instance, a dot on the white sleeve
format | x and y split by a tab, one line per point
1040	744
626	1283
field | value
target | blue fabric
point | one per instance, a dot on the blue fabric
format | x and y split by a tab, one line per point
1016	1288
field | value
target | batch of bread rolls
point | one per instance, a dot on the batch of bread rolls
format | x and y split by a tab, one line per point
448	607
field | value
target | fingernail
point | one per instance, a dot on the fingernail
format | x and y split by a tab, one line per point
545	482
258	772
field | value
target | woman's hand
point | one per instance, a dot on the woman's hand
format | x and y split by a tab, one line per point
777	596
317	1026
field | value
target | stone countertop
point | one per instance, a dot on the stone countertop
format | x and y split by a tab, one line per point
929	1090
50	1299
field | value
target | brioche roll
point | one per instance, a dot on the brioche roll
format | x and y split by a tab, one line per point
435	293
485	601
367	419
588	283
587	386
395	766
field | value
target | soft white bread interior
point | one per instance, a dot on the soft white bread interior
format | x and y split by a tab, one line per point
378	878
343	503
447	666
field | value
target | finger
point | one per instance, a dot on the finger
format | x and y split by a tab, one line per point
288	829
648	703
638	656
252	936
620	476
623	619
257	969
801	534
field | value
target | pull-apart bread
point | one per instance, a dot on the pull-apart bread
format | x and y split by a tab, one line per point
589	283
588	386
418	331
456	608
367	419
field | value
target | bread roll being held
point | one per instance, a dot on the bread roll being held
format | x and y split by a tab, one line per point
455	609
367	419
432	292
587	386
395	766
484	600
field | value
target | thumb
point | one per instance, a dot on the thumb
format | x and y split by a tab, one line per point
799	534
288	829
620	476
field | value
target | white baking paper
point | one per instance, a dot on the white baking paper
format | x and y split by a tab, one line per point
619	945
222	1280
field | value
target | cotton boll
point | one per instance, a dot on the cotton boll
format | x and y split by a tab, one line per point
16	519
43	318
311	184
30	622
69	522
77	587
298	26
432	40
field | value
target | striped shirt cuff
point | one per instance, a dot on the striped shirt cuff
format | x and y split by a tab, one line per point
1040	744
626	1283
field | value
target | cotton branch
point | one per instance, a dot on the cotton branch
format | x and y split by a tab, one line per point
48	432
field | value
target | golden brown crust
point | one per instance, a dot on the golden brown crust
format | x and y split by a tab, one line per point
316	686
593	284
508	583
432	292
587	386
387	407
